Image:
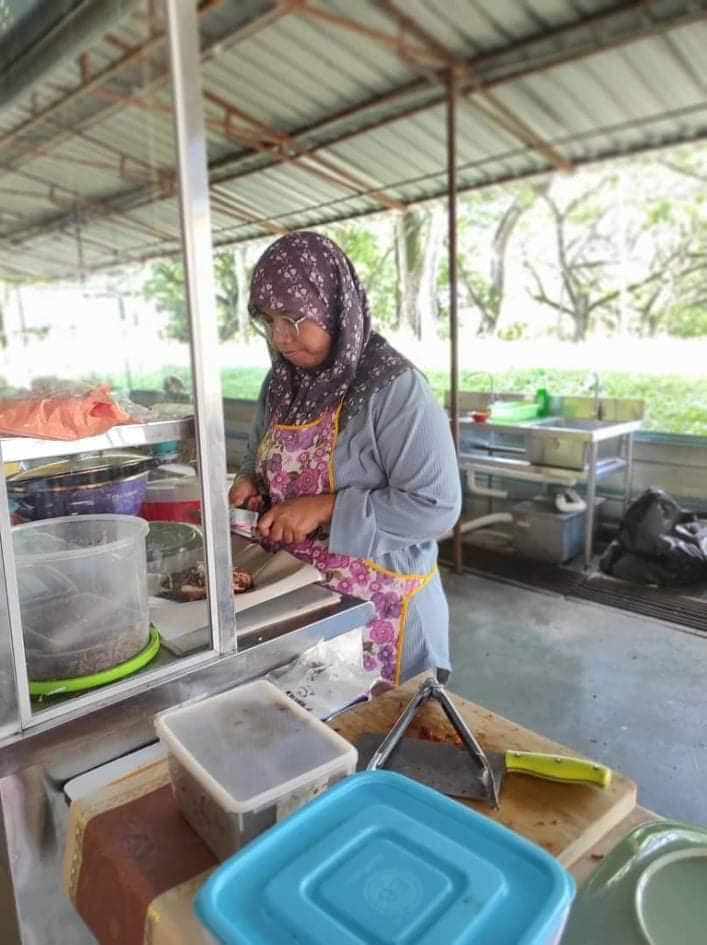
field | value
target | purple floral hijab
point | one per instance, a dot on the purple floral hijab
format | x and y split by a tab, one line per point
305	273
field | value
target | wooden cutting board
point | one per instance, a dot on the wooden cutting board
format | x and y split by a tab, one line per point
567	820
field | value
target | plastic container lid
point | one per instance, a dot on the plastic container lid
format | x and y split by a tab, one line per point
382	860
178	489
251	745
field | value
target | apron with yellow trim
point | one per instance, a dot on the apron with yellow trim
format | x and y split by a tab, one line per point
298	460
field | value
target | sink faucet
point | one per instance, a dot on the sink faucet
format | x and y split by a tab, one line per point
491	379
593	383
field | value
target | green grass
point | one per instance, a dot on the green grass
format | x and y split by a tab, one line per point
674	404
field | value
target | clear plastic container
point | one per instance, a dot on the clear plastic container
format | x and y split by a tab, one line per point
83	593
244	759
172	500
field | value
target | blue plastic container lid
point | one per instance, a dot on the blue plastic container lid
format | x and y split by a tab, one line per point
382	860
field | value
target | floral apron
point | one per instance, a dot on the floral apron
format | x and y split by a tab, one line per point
299	460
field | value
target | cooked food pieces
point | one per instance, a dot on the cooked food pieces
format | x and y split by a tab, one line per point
242	580
191	585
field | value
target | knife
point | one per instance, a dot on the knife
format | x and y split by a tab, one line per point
451	770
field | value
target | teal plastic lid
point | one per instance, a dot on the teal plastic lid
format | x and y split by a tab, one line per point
382	860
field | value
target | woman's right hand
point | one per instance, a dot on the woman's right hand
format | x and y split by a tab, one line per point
244	493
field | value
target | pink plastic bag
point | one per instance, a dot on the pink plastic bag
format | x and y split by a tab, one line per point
62	416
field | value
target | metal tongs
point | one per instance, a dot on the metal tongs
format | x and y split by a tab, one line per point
433	688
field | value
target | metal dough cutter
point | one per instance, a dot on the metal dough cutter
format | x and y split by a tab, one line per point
433	688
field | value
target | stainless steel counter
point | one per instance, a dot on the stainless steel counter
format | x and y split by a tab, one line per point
35	766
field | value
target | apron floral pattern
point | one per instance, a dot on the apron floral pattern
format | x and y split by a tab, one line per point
297	460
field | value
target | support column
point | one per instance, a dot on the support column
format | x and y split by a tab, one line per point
453	319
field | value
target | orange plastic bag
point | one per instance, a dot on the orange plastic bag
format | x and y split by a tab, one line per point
62	416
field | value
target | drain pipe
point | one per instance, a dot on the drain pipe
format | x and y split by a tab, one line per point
483	521
69	37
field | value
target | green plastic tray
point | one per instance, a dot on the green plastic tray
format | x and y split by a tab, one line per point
514	410
58	687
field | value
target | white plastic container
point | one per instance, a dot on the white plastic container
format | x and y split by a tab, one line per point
83	593
244	759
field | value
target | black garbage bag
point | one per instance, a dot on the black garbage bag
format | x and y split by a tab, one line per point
658	543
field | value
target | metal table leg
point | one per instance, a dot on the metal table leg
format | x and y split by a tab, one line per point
591	504
628	471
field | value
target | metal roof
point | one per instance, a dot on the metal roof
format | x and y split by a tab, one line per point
322	110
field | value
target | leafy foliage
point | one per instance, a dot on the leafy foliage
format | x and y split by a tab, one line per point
166	287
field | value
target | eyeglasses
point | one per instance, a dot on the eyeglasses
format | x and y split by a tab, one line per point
286	326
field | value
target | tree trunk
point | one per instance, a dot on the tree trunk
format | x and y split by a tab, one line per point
411	233
581	317
427	308
242	288
492	310
400	269
4	304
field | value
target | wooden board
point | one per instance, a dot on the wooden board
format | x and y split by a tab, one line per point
567	820
585	866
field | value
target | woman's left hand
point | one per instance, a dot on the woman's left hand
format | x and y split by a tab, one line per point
292	520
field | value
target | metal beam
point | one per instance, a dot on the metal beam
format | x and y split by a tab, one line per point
287	142
499	112
435	54
453	314
486	64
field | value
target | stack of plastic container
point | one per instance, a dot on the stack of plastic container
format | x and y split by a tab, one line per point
244	759
383	860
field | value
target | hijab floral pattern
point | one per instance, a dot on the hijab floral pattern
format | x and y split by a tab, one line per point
305	273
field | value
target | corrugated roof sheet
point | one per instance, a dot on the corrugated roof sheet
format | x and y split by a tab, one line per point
310	120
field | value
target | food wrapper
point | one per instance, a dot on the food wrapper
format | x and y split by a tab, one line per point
62	415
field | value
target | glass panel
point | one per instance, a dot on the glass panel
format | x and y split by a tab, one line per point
93	332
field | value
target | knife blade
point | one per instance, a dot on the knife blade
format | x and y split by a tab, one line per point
453	771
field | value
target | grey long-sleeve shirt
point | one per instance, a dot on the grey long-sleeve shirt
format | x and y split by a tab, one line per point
397	490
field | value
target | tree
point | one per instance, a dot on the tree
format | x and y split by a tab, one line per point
584	286
4	303
488	220
418	244
165	286
369	245
668	243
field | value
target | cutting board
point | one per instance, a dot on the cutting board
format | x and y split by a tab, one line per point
567	820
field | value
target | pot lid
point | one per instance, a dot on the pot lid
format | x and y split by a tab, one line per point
75	470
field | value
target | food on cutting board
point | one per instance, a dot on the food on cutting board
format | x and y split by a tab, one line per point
191	585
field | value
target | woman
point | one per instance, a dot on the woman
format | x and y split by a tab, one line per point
350	454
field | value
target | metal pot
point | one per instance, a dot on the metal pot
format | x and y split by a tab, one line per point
87	485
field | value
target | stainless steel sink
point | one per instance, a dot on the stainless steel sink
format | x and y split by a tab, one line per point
568	442
584	440
559	442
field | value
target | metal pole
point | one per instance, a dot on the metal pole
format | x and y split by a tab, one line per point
453	322
591	505
628	473
193	182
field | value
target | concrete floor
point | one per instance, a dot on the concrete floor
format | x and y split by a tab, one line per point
628	691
